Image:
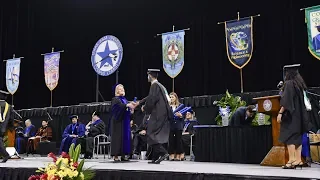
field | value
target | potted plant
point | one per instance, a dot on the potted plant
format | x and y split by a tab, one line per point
227	106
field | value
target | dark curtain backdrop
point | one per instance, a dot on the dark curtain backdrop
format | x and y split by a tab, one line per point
31	27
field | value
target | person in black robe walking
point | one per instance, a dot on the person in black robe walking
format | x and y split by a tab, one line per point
293	115
157	105
120	124
5	117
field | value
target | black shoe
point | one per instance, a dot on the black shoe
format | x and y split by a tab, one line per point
152	162
161	158
5	159
124	159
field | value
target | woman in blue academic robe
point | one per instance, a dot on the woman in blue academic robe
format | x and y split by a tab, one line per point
22	139
71	134
120	124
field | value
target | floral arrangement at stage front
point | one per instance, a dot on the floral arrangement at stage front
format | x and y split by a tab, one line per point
65	167
228	104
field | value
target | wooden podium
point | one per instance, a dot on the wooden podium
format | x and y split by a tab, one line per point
278	155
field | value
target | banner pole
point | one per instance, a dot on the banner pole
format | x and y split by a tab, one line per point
97	88
173	78
241	80
51	98
172	84
117	77
12	101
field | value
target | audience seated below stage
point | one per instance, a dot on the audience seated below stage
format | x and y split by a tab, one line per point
44	134
23	134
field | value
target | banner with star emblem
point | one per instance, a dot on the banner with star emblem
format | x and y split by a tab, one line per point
51	69
313	27
13	74
239	41
173	52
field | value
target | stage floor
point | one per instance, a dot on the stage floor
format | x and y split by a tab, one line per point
181	167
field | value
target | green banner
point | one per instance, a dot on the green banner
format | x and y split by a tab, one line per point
313	27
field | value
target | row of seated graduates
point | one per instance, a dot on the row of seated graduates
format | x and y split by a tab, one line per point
139	139
28	138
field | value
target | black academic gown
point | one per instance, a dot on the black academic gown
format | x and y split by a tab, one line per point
6	110
294	120
120	127
239	118
96	128
160	115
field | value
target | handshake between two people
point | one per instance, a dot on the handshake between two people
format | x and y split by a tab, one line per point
132	105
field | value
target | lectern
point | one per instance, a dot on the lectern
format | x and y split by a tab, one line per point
278	155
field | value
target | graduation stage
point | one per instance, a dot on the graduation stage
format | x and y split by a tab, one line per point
21	169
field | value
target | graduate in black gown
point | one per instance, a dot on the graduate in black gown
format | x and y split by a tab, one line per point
157	105
120	124
5	117
22	139
71	134
293	115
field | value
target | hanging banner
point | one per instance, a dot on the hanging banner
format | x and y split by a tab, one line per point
313	27
173	52
13	74
239	41
51	69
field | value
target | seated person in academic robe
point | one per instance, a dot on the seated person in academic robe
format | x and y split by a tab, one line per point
44	134
243	116
140	138
95	127
120	124
71	134
23	136
188	130
316	40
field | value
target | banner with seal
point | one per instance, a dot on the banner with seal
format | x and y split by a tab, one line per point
173	52
51	69
313	27
13	74
239	41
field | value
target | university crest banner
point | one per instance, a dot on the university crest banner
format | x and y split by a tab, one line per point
313	27
51	69
239	41
173	52
13	74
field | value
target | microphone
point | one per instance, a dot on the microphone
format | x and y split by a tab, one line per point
280	84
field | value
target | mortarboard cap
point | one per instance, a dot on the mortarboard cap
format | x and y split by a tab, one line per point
95	114
154	72
3	95
294	68
74	116
190	111
114	88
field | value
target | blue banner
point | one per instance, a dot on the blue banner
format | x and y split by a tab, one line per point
13	74
239	40
173	52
